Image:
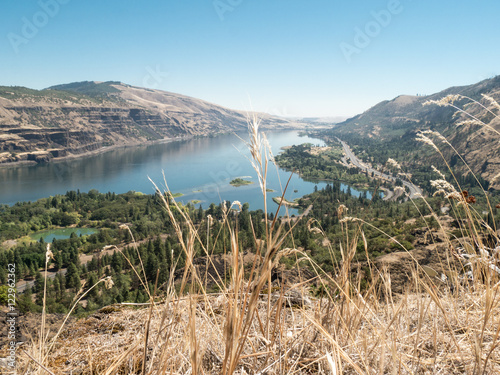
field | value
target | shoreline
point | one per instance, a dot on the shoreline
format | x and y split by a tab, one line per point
354	185
285	202
101	150
104	149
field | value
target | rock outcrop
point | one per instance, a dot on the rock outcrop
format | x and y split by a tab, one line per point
82	117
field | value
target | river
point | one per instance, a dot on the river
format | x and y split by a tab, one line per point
200	169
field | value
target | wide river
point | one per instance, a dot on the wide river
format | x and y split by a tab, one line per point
200	169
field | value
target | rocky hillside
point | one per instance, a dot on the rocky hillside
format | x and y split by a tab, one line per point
82	117
403	116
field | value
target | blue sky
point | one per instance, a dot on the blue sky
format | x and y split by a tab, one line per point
288	57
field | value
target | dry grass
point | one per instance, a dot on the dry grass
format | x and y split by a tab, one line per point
431	332
441	325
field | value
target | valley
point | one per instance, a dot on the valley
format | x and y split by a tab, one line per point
390	128
235	187
352	211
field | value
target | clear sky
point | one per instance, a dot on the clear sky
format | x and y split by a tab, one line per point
286	57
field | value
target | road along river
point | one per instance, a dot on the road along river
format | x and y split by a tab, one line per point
415	191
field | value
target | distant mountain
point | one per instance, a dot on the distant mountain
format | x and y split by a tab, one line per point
404	116
82	117
324	120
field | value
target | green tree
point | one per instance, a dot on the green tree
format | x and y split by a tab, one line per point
116	262
4	293
91	281
25	302
151	267
73	277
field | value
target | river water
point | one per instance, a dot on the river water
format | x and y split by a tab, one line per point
200	169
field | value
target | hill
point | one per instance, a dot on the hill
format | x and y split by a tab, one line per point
82	117
396	122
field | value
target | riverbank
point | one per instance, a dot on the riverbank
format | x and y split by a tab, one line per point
104	149
359	186
95	152
284	202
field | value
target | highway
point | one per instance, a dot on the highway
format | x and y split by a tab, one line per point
415	191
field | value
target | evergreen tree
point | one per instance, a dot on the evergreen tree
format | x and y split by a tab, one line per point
25	302
91	281
116	262
62	284
56	287
168	253
158	248
58	260
73	277
164	273
151	267
38	285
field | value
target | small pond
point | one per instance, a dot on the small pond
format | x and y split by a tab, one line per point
61	233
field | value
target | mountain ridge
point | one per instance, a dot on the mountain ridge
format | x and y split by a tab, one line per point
401	118
77	118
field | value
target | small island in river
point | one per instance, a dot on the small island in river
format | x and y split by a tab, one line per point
237	182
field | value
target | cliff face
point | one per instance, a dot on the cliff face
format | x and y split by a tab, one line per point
77	118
